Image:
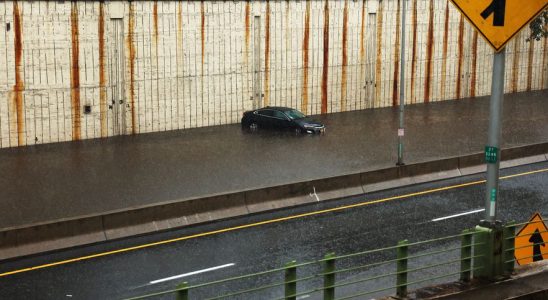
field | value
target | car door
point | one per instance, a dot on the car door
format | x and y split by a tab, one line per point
280	120
265	118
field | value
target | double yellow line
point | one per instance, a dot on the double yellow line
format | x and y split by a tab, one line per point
298	216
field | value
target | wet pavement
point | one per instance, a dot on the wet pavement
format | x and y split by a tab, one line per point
249	249
46	183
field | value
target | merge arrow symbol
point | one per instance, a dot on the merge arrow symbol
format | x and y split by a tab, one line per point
498	9
537	241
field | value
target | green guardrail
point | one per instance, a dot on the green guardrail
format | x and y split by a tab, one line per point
485	252
463	267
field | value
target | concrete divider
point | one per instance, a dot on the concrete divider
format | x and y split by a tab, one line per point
336	187
53	236
174	215
278	197
91	229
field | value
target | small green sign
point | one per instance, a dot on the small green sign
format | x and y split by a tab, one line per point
491	154
493	195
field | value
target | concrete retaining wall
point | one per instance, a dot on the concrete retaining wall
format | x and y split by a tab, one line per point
76	70
68	233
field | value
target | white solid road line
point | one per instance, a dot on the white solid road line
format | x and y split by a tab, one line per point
458	215
191	273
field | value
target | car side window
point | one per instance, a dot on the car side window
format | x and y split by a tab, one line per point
280	115
266	112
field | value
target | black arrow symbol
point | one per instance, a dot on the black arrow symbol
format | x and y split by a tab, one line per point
497	7
537	241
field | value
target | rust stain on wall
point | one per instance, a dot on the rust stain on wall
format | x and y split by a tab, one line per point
344	56
19	84
362	35
544	80
306	40
378	63
202	31
325	56
362	48
131	62
460	56
530	64
515	65
180	33
413	51
429	50
474	64
444	52
288	28
247	31
396	58
102	73
155	18
267	56
75	74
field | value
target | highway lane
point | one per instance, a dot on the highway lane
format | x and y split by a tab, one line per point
234	250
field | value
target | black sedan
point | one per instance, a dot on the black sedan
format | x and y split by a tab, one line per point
281	118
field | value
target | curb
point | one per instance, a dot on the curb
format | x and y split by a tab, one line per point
86	230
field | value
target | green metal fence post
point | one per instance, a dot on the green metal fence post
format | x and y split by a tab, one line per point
401	277
508	247
483	249
498	252
290	281
466	256
182	294
329	277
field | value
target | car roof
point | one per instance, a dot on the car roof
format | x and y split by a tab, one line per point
281	108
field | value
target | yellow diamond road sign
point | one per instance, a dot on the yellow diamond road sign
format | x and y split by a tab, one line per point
499	20
531	242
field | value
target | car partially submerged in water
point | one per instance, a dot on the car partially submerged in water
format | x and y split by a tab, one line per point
283	118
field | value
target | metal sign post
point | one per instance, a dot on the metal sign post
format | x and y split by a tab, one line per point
492	150
401	131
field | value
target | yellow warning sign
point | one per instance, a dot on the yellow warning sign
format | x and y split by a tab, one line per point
532	241
499	20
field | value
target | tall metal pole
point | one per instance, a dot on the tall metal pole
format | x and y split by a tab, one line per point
401	131
492	150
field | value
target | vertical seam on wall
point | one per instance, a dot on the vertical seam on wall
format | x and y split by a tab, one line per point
429	51
378	67
75	73
306	40
460	56
474	65
444	52
530	63
344	57
102	77
267	55
396	55
515	64
131	48
413	50
325	57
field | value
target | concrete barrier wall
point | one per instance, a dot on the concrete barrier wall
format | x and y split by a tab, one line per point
63	234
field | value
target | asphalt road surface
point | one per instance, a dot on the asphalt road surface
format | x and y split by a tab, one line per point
221	249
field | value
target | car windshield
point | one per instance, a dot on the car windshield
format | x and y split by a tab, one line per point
294	114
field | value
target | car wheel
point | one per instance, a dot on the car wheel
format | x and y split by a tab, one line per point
253	126
298	130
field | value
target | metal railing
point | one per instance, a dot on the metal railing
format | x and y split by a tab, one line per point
486	252
328	280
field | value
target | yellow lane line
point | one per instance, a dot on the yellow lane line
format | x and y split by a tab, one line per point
63	262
